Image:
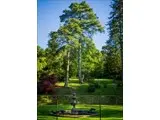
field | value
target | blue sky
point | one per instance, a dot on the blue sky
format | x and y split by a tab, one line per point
50	10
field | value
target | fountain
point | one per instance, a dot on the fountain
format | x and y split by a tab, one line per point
73	103
74	112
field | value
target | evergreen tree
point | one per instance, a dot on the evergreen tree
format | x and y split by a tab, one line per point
87	21
114	46
66	39
68	34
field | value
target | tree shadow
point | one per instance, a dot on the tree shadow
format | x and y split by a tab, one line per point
105	113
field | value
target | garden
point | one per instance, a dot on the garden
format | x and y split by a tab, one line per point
78	77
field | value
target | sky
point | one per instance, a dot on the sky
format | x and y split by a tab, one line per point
48	12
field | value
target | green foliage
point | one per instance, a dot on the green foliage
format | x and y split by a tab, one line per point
91	88
43	99
97	85
90	80
105	85
92	64
113	50
50	60
84	24
41	62
113	67
83	15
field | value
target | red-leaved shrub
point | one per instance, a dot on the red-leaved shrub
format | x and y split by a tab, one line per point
47	84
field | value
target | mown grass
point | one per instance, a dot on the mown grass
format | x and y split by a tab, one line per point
108	112
107	88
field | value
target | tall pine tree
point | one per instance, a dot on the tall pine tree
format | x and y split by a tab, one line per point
87	21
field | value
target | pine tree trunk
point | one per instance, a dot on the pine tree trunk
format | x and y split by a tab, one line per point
67	70
79	62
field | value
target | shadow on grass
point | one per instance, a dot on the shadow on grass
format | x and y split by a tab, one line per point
105	113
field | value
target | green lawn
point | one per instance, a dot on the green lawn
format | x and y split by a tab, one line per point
109	112
86	100
107	88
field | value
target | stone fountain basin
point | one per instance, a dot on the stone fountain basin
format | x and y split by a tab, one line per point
74	113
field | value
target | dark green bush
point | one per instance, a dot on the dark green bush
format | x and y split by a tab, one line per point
91	88
105	85
97	85
92	81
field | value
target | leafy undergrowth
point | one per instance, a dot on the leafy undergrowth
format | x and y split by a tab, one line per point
108	112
